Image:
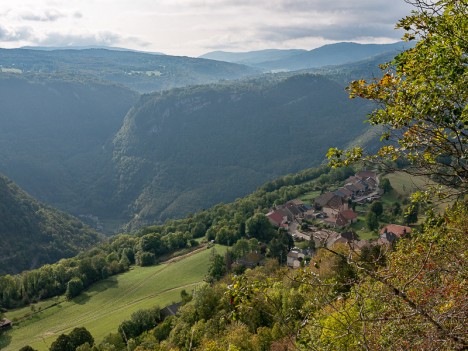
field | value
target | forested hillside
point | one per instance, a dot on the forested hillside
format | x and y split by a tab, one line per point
53	131
33	234
178	151
139	71
187	149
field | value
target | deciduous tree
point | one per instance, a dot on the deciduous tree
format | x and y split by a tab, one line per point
423	97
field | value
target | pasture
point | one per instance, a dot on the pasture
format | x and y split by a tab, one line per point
106	304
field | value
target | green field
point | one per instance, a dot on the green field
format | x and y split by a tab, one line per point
106	304
309	197
404	185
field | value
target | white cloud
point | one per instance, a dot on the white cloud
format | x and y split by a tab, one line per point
14	34
192	27
45	16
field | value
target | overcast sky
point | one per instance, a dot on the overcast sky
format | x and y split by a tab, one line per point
194	27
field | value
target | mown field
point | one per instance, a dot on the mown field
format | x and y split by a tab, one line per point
106	304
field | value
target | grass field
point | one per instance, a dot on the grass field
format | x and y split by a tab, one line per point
106	304
404	185
309	197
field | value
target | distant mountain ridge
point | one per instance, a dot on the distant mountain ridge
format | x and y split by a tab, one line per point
86	47
136	70
252	57
33	234
293	60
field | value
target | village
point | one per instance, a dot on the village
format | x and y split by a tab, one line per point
326	222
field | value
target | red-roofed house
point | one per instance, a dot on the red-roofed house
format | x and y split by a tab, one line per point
277	218
349	215
396	229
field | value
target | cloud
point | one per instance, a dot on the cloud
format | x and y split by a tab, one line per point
103	38
11	35
332	32
46	16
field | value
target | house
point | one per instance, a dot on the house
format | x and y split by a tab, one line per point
295	211
344	193
387	238
251	260
363	175
351	180
395	229
351	187
323	199
277	218
294	258
334	206
171	310
372	183
337	221
324	237
5	324
350	215
350	236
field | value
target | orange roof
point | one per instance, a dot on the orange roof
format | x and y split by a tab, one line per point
398	230
349	214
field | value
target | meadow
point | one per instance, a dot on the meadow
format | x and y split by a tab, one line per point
106	304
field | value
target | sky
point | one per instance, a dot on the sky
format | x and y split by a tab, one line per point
194	27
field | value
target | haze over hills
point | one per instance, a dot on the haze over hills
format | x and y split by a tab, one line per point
139	71
187	149
33	234
253	58
293	60
176	152
86	47
53	130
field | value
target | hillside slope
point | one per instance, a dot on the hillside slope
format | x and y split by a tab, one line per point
139	71
32	234
53	129
187	149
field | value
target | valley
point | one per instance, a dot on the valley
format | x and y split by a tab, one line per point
265	199
100	150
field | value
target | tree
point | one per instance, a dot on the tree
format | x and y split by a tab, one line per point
74	288
217	267
424	98
411	214
396	209
418	301
63	343
377	208
259	227
385	185
372	222
80	336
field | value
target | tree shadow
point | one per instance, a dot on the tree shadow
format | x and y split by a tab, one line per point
109	283
81	299
5	339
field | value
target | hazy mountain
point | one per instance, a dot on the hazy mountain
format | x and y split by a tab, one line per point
139	71
53	130
293	60
252	57
32	234
86	47
187	149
